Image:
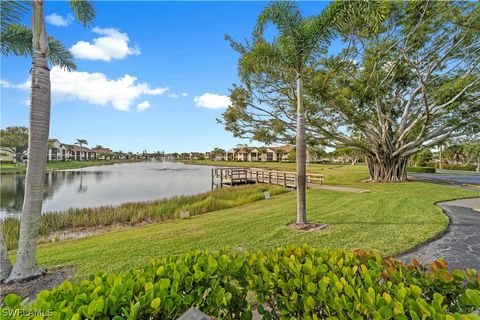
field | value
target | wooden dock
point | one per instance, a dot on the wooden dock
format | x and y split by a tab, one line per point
227	177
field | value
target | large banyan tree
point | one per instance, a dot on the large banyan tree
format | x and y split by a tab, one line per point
406	82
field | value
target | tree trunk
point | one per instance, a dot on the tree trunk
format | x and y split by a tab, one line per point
301	148
384	169
440	165
5	265
26	264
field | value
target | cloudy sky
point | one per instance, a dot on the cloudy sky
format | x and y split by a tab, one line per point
151	75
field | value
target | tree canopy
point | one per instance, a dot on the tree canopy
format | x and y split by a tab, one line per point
16	140
405	81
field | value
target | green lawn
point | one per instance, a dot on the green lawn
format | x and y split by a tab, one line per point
392	218
6	168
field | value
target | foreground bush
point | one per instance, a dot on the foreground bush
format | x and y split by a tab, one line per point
421	169
290	283
139	212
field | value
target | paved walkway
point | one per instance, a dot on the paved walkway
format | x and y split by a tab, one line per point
460	244
336	188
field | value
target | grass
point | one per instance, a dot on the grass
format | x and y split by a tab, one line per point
135	213
8	168
391	219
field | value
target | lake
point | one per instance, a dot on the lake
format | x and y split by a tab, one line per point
108	185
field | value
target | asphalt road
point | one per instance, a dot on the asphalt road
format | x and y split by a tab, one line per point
448	178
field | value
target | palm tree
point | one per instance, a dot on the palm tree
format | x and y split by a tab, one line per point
299	42
16	40
81	142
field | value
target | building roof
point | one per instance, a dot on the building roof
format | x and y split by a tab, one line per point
285	149
102	150
81	149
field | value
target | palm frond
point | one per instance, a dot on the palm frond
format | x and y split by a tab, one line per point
285	15
11	12
262	57
240	48
59	55
358	15
84	11
17	40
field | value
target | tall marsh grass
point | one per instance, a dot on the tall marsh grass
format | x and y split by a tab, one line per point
139	212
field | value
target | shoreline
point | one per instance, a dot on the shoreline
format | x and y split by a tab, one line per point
67	165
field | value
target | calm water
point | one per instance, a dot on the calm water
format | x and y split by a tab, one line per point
108	185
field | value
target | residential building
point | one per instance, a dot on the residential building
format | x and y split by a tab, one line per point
82	153
56	151
7	155
196	156
263	154
103	153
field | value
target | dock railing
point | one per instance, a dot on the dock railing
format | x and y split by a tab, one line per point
235	176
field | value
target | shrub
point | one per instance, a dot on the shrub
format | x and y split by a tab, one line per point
421	169
306	283
290	283
466	167
164	289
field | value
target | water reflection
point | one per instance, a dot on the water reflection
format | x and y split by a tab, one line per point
107	185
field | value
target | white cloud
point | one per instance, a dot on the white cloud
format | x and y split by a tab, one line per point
59	21
94	88
111	45
22	86
212	101
143	106
184	94
172	95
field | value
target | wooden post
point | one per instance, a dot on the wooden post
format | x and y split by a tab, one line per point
213	177
221	178
257	176
284	180
269	177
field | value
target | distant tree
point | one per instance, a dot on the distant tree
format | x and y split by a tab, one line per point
217	151
454	152
81	142
348	154
15	139
422	158
472	150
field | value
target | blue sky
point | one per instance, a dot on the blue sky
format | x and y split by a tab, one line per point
151	75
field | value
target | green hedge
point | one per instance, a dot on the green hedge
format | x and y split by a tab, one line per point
289	283
421	169
466	167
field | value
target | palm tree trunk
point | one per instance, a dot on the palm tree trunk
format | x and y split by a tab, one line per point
5	264
440	165
26	264
301	147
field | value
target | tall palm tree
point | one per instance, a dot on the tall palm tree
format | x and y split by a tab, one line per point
299	42
38	46
81	142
